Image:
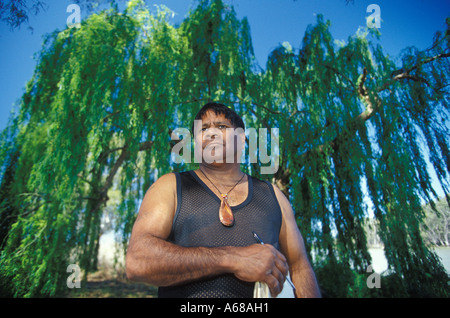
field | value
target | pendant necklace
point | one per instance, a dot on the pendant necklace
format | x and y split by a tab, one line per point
225	214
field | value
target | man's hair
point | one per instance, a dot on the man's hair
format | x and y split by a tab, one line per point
218	109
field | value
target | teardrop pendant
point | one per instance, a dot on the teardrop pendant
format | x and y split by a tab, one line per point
225	213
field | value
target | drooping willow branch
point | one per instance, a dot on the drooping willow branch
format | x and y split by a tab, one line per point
372	102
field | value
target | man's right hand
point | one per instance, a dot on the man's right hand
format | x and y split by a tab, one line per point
260	263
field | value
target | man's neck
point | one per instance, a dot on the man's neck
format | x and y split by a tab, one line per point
224	172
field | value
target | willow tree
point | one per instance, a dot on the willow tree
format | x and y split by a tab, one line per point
358	126
99	112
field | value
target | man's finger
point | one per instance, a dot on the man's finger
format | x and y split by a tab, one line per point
275	280
282	266
274	285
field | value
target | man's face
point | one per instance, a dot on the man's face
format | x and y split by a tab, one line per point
218	138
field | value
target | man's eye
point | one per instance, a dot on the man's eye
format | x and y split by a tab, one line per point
222	127
204	129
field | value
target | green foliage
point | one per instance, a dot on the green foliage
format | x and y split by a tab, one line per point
96	119
436	225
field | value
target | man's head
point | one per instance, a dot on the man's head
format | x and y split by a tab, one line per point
220	133
219	109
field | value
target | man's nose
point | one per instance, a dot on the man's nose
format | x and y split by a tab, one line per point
211	133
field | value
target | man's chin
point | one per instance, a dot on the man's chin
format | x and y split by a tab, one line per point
214	161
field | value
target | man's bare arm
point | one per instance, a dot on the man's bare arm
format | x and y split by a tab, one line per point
161	263
152	259
293	247
167	264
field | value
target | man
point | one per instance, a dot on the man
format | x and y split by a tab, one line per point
193	236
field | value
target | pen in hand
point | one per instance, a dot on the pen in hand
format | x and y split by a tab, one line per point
258	239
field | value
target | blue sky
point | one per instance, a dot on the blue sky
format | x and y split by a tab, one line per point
272	22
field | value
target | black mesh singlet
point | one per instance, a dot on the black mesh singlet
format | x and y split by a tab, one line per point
197	223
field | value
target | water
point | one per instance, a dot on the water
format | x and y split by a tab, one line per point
444	254
380	263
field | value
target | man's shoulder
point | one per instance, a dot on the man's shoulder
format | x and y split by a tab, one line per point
258	180
166	180
166	176
170	178
278	193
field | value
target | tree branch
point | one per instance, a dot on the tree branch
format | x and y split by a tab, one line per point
405	74
340	74
373	102
123	156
